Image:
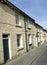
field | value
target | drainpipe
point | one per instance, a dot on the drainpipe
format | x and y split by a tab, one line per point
40	38
37	36
26	35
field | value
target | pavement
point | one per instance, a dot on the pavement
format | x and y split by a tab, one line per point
30	57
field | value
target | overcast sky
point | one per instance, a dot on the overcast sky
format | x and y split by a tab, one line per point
37	9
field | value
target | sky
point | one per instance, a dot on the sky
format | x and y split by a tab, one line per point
37	9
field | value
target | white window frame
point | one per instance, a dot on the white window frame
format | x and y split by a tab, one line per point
28	24
30	41
19	23
21	42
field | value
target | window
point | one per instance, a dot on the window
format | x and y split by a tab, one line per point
17	19
29	39
28	24
19	41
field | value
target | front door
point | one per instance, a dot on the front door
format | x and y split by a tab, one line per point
6	47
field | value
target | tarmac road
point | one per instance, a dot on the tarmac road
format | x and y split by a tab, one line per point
42	60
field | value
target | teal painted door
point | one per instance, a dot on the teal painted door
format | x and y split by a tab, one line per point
6	49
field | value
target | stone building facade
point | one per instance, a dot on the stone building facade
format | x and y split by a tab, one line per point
18	32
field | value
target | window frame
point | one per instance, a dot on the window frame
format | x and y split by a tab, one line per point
28	24
21	41
29	39
18	23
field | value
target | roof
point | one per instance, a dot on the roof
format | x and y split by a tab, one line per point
13	7
37	25
44	30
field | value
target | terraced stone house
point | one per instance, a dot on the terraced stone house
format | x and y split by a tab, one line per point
18	32
15	34
30	32
41	35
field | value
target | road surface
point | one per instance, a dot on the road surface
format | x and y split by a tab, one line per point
42	60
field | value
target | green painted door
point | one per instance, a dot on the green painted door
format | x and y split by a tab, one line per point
6	49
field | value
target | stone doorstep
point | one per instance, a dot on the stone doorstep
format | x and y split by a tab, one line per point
29	52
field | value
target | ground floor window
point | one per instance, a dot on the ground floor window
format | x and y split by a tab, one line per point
19	41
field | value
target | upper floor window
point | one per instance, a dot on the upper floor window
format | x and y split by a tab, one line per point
17	19
28	24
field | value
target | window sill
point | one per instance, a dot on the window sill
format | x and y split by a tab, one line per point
30	44
19	26
29	28
20	49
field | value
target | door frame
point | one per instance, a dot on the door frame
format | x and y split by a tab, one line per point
9	45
